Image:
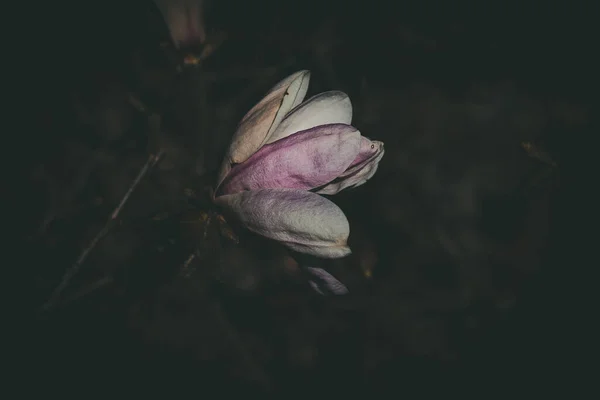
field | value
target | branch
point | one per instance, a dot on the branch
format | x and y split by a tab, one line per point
68	275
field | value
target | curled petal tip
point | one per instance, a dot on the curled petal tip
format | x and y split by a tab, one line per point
325	283
361	170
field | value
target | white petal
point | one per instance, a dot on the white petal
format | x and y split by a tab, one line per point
303	221
326	108
263	119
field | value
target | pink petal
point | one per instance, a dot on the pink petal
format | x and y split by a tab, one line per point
304	160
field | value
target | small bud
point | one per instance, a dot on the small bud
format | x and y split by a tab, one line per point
184	19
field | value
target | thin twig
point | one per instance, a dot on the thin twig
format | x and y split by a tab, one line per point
185	268
136	103
68	275
152	160
87	290
63	203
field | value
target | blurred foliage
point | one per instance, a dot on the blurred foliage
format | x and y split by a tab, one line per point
454	240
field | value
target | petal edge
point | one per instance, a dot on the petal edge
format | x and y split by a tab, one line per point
333	107
302	221
258	123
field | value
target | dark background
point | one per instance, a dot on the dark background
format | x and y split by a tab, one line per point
464	233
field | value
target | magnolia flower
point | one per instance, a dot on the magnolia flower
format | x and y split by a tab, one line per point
184	20
285	153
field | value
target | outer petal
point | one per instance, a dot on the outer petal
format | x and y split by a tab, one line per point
303	221
326	108
362	169
305	160
184	20
263	118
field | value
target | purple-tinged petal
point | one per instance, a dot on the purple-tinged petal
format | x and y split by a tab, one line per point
302	221
369	149
184	20
304	160
361	170
326	108
325	282
263	119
